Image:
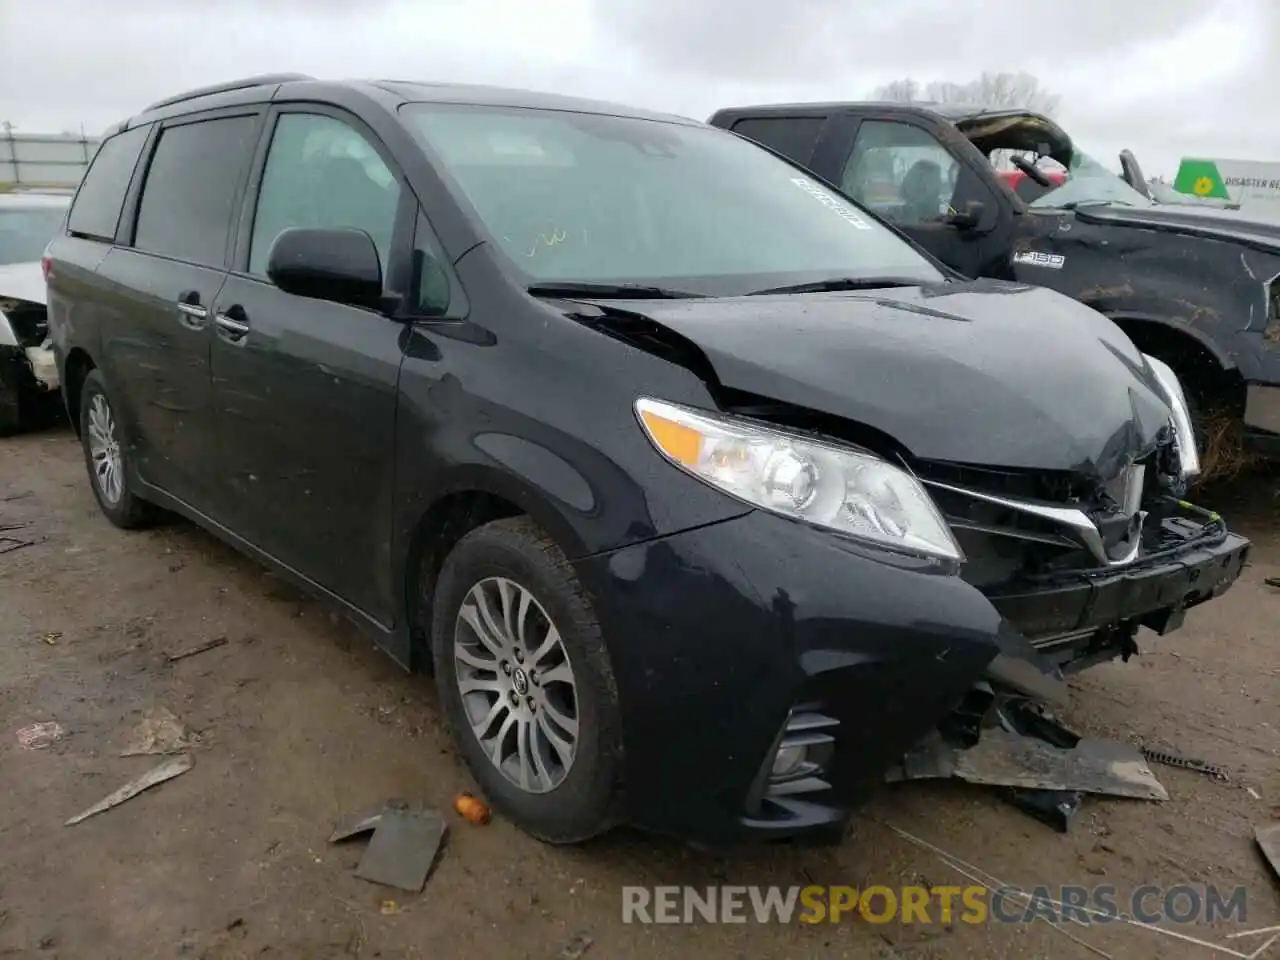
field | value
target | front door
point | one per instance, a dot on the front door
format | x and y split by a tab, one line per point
899	169
304	391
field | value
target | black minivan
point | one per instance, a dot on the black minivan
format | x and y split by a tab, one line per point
704	494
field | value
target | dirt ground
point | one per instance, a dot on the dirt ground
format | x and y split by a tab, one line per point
299	720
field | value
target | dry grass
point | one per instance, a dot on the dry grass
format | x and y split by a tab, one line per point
1223	456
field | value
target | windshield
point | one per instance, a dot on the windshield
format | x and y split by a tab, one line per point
1087	182
593	198
26	231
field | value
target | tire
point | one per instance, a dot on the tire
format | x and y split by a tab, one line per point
11	400
98	425
559	802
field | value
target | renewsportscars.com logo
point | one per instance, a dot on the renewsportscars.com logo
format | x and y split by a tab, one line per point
1180	904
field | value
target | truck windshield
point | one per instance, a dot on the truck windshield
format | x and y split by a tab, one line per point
1089	182
596	198
24	232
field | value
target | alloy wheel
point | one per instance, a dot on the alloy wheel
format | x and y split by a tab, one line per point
104	451
516	683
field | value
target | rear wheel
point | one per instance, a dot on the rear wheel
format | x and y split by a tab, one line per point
526	682
106	454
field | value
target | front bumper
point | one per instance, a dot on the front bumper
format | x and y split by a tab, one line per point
1155	594
718	635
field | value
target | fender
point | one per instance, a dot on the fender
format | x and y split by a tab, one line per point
8	336
1123	317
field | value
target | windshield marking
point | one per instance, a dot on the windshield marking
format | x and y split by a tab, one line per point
831	203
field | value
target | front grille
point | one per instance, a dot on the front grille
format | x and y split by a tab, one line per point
1019	525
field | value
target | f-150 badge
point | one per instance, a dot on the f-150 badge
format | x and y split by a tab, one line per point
1032	258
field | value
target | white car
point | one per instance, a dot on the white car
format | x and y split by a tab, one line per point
28	221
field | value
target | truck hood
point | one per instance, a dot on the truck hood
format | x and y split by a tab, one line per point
978	372
22	281
1205	222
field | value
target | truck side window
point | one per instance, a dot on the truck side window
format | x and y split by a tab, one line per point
902	172
793	137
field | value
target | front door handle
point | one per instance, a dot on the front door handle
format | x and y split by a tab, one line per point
233	323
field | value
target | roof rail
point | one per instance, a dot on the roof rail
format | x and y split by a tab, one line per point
261	80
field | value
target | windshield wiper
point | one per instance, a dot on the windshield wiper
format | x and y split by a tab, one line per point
606	291
831	284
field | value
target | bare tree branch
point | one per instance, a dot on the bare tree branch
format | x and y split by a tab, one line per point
989	90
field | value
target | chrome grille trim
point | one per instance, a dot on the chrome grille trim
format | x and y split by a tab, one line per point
1076	521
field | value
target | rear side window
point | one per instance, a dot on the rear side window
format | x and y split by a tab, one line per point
96	212
190	191
793	137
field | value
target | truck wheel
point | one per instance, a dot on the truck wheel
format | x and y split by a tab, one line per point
526	682
106	456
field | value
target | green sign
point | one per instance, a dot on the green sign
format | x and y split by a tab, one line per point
1200	178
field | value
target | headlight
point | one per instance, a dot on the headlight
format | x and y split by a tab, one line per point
840	488
1183	429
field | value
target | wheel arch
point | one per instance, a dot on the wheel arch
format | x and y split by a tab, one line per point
472	497
75	369
1203	366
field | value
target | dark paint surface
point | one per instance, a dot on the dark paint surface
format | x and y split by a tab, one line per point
334	443
1004	365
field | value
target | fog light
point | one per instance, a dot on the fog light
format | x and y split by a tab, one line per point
788	760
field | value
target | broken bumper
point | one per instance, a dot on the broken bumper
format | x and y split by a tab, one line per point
732	640
1156	594
34	368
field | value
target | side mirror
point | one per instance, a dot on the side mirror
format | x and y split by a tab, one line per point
340	265
1132	173
969	217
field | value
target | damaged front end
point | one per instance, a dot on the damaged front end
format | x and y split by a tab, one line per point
28	371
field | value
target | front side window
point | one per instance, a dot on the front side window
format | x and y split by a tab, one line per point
322	173
586	197
902	172
25	232
190	191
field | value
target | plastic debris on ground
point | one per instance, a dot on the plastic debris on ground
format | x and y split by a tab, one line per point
1269	843
39	735
171	768
198	648
403	847
159	732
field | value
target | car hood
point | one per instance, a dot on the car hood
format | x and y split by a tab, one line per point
979	372
22	281
1207	222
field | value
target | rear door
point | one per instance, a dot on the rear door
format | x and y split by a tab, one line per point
304	391
896	165
163	279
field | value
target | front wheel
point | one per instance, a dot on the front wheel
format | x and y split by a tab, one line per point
526	682
106	457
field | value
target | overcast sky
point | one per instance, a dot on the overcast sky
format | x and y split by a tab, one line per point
1164	78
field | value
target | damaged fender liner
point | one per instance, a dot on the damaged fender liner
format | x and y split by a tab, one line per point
1151	594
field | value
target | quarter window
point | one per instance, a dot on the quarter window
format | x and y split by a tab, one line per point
322	173
793	137
190	191
96	212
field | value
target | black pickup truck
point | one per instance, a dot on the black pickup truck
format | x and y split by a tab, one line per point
1200	289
